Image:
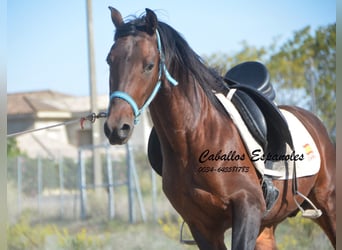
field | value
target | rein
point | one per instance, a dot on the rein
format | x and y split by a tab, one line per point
126	97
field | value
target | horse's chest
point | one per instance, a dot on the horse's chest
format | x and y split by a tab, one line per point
185	195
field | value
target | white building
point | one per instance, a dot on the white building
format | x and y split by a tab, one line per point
32	110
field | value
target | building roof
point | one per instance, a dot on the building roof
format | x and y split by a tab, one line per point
30	103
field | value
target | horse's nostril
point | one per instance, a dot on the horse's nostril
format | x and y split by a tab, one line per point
125	129
119	134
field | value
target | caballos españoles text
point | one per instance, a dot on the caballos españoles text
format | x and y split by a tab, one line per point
256	155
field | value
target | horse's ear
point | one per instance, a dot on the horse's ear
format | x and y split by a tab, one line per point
151	21
116	16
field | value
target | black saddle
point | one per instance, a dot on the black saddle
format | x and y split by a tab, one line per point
253	98
253	74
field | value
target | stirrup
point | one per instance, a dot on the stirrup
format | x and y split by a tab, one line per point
308	213
187	242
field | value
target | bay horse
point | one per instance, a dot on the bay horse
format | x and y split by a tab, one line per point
146	58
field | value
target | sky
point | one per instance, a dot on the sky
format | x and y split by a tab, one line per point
47	39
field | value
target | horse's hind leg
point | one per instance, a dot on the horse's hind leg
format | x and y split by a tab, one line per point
266	239
323	195
324	191
327	223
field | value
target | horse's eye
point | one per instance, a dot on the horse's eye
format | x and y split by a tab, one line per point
149	67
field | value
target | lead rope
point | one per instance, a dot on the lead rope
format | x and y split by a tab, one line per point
91	118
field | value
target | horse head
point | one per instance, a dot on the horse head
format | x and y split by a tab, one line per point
136	69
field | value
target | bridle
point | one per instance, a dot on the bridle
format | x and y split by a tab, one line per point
162	69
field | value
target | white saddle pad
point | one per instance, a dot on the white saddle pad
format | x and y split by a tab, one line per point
305	156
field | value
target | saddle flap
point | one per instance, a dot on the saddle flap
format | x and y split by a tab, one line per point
252	116
154	152
277	127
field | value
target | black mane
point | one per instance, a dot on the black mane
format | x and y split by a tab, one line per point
180	58
130	28
179	54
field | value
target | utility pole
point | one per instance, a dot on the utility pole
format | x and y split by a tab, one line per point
312	79
93	99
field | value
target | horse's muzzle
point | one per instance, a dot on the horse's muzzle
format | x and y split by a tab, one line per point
118	134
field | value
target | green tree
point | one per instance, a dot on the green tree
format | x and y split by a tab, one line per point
222	62
12	148
305	62
308	61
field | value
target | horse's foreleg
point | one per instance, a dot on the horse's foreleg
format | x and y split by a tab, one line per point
246	221
207	239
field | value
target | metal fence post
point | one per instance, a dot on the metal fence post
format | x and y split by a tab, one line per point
40	184
61	185
111	206
154	195
139	195
130	184
82	185
19	176
133	185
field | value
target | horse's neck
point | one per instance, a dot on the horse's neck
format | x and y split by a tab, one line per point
180	111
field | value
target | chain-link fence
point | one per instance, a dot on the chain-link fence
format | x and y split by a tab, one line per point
64	188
